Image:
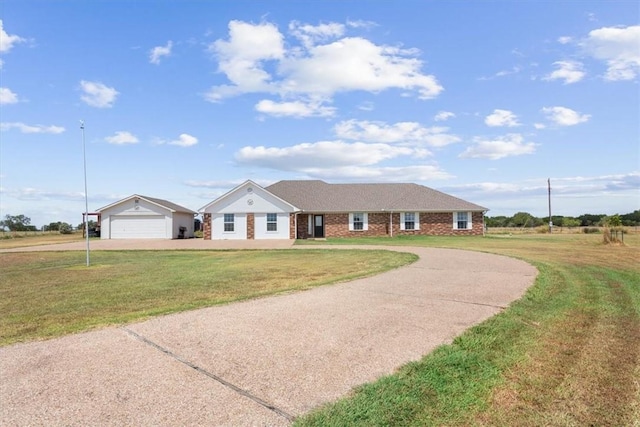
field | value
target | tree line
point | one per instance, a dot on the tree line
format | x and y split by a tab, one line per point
525	219
23	223
520	220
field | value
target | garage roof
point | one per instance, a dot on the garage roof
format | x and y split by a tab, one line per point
173	207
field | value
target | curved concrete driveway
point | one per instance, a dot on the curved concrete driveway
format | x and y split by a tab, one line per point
259	362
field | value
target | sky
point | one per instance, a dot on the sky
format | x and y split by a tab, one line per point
184	100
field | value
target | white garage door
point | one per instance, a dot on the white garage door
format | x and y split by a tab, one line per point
138	227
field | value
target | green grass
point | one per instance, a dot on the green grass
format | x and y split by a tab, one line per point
49	294
567	353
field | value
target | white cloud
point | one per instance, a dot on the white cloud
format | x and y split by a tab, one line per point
313	70
501	118
414	173
563	116
294	109
539	125
97	94
184	140
7	41
406	133
310	35
7	96
24	128
443	116
323	154
241	58
565	39
506	146
569	71
158	52
619	47
121	138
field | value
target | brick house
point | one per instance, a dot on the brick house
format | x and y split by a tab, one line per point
316	209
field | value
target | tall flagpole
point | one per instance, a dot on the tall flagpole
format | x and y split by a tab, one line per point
549	189
86	195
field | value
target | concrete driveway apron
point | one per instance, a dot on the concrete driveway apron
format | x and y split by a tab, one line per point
259	362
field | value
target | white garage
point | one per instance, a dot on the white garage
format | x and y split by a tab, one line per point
141	217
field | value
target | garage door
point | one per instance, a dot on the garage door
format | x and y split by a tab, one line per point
138	227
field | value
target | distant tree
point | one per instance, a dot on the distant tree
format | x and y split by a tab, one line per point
496	221
17	223
65	228
570	222
631	219
588	220
522	219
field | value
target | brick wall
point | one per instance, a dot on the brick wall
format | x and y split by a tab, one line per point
431	224
251	226
206	226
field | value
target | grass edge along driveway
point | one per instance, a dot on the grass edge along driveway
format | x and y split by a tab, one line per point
567	353
50	294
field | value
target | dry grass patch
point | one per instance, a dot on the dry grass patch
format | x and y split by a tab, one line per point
48	294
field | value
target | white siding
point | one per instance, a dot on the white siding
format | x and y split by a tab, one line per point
183	219
261	226
239	229
248	198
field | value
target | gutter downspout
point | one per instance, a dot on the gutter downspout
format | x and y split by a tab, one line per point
390	224
295	224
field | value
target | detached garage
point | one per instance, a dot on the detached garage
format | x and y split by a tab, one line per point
141	217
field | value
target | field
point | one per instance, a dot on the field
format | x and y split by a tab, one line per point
48	294
566	354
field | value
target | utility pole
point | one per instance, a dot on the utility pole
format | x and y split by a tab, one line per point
86	195
549	189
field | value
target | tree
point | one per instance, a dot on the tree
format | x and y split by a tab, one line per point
16	223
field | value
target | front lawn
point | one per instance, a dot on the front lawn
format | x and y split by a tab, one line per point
48	294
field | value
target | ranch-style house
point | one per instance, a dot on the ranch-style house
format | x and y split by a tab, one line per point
302	209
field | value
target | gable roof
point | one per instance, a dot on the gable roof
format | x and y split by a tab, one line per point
160	202
319	196
250	186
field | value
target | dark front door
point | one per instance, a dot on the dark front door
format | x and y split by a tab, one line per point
318	226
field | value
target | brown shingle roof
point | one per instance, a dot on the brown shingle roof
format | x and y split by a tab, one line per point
169	205
319	196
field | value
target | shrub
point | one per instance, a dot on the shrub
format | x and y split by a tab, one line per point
590	230
65	229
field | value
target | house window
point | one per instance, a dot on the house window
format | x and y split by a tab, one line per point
358	221
229	221
272	222
462	220
410	221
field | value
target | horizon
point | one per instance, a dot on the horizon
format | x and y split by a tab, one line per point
184	100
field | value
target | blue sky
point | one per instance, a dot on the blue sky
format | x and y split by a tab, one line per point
183	100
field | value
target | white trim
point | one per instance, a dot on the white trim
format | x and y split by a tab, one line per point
469	221
416	221
365	221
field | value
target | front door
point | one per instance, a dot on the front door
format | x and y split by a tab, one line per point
318	226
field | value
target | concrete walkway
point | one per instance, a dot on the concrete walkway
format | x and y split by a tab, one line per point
259	362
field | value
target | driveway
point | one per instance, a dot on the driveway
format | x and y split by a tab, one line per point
258	362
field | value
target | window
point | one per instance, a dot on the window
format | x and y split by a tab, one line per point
462	220
358	221
229	223
410	221
272	222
